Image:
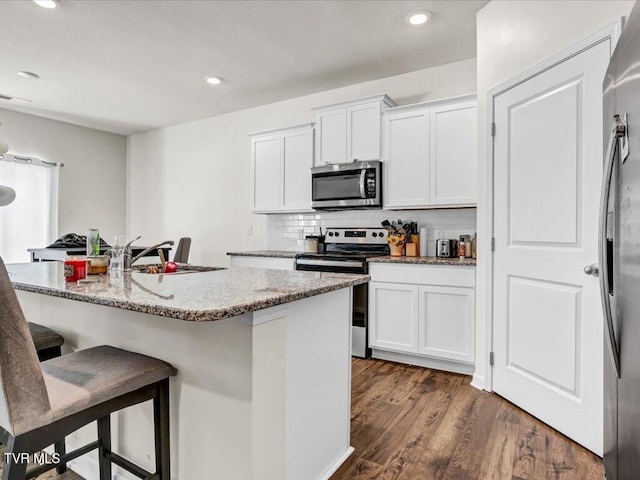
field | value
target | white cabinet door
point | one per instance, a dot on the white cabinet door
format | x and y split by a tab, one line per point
453	160
363	132
393	308
267	185
406	159
332	136
446	322
297	160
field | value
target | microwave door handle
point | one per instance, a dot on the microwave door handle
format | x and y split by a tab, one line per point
617	132
363	180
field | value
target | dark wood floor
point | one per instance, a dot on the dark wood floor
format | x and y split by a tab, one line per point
411	423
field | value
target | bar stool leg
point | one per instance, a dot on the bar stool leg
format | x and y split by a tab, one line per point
161	427
104	435
60	448
14	470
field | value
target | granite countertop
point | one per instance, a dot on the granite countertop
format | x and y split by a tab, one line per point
266	253
197	297
467	262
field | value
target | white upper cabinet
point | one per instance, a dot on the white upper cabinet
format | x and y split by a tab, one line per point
430	154
350	131
297	159
267	181
453	154
363	131
332	136
406	159
281	161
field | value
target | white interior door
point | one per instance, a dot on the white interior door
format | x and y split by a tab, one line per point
548	325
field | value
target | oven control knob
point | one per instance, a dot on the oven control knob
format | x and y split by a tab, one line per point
374	234
337	234
331	234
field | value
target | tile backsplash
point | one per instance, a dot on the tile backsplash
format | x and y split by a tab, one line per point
285	232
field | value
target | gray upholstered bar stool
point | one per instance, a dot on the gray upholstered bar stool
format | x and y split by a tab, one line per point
41	403
48	342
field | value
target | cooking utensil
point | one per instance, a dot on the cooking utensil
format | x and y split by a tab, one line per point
163	261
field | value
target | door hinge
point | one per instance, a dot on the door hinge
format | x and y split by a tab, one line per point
493	129
491	358
493	244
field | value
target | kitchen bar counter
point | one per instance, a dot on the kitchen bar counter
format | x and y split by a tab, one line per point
467	262
265	253
196	296
60	254
263	393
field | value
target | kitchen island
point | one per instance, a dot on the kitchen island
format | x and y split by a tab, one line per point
263	389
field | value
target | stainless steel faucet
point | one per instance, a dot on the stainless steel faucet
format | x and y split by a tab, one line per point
128	261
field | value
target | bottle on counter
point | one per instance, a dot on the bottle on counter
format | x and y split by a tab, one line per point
473	245
461	247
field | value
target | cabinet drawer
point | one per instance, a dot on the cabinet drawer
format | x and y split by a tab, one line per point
443	275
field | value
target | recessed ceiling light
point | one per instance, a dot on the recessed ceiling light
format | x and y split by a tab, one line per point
29	75
419	17
213	80
47	3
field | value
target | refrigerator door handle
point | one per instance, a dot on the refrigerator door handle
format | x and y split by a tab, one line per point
617	132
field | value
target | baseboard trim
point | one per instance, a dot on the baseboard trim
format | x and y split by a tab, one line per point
427	362
478	382
336	465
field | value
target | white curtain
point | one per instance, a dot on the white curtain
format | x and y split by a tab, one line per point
31	220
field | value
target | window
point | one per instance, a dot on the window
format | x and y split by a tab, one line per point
31	220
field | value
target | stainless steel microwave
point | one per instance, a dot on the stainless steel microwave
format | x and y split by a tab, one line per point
347	185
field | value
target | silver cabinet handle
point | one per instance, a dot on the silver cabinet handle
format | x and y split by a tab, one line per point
617	131
592	269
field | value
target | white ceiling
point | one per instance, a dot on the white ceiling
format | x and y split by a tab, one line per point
130	66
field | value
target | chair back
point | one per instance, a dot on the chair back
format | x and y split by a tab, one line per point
182	250
24	403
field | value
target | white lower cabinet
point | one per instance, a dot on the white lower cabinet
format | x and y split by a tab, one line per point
393	313
423	315
446	319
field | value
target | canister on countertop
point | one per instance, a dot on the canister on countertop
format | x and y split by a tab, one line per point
311	244
423	241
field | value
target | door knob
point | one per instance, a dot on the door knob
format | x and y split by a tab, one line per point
592	270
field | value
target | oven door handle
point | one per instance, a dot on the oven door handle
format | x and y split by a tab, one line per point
330	263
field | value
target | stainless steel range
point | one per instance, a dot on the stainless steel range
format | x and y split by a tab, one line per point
346	251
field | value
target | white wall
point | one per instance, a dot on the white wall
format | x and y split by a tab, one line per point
92	182
194	179
513	36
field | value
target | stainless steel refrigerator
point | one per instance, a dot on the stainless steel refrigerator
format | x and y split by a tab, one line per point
619	259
